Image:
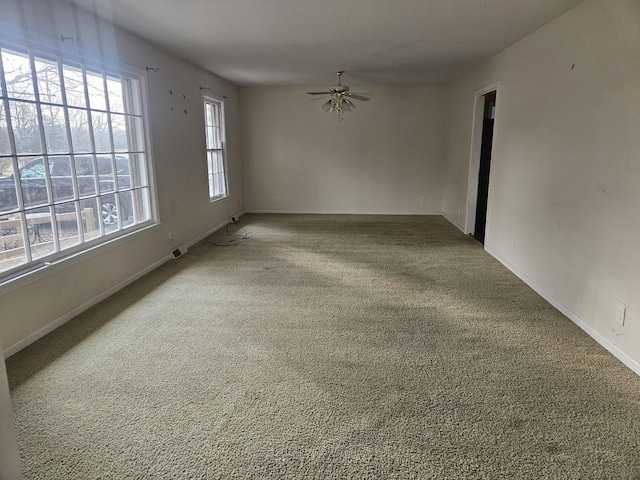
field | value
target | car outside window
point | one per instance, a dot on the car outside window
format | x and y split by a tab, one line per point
74	168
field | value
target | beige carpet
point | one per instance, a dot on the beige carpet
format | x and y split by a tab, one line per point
326	347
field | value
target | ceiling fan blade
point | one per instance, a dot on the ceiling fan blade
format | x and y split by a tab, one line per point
340	97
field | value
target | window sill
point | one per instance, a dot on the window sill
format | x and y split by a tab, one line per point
218	199
45	269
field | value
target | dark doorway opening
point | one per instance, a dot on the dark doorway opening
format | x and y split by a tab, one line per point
485	165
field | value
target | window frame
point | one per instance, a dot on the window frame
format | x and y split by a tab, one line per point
222	150
143	195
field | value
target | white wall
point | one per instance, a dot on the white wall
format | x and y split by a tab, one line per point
177	140
565	175
382	158
10	468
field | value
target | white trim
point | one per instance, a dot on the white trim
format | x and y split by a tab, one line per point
48	268
344	212
10	466
588	329
16	347
474	154
213	230
220	100
453	222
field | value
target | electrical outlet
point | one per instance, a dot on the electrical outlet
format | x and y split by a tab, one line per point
278	200
621	314
233	219
178	251
170	235
421	200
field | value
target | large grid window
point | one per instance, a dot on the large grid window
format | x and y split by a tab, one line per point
214	132
73	162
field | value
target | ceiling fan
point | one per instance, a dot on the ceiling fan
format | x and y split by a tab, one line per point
341	97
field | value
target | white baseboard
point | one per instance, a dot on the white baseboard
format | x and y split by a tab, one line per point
453	222
343	212
213	230
16	347
588	329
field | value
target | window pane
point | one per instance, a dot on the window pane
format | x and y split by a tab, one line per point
110	212
85	175
126	208
213	132
114	91
5	146
55	129
67	222
101	135
141	204
119	128
216	174
138	170
79	125
123	172
48	78
12	242
26	128
132	100
136	133
95	89
210	140
33	182
74	86
90	214
40	232
8	192
217	139
208	114
220	186
105	172
218	163
213	116
61	178
17	72
210	161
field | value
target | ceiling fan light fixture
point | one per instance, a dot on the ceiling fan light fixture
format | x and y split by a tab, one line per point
339	101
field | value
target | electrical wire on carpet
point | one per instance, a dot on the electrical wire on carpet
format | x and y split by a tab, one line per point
232	238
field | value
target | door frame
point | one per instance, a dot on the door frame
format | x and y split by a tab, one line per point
474	155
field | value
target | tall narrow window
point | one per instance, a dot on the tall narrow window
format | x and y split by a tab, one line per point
73	159
214	133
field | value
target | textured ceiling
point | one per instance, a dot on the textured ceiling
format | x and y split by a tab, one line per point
303	42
